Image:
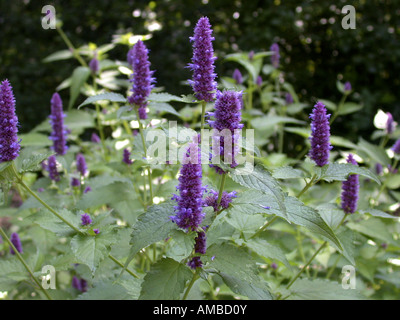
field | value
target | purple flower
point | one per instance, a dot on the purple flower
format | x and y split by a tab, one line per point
95	138
75	182
226	199
126	156
59	133
16	241
94	65
378	168
9	144
347	87
275	56
189	211
81	164
390	124
203	78
76	283
200	245
320	133
52	168
350	190
227	117
259	81
237	76
87	189
142	78
195	262
96	231
86	220
288	98
251	55
396	147
83	285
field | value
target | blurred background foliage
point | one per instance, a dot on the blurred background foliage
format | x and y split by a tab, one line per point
316	51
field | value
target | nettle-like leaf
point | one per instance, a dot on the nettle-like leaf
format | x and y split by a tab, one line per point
31	162
91	250
260	179
288	172
152	226
109	96
79	77
165	281
181	245
341	171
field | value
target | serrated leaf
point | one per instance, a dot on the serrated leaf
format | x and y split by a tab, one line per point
165	281
373	228
376	153
109	96
113	291
304	289
246	224
341	171
378	213
79	77
163	107
260	179
181	245
332	214
288	173
163	97
91	250
33	162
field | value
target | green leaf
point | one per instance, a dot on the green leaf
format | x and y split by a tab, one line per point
32	163
304	289
251	202
165	97
165	281
35	139
267	122
260	179
341	171
267	250
152	226
378	213
288	173
373	228
91	250
376	153
350	107
346	237
163	107
246	224
254	291
109	96
59	55
181	245
331	213
79	77
122	290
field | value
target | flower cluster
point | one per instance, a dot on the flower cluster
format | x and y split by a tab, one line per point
9	144
189	211
203	79
59	133
142	77
81	164
85	219
126	156
226	199
320	133
79	284
16	241
350	190
227	117
199	247
275	56
52	168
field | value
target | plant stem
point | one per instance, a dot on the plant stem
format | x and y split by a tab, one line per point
5	237
99	124
265	226
194	278
221	189
336	112
71	46
122	266
308	185
22	183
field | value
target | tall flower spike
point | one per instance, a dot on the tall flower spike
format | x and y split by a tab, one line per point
16	241
189	210
396	147
81	164
227	116
320	133
276	56
52	168
237	76
203	78
9	144
142	77
200	246
390	123
59	133
126	157
350	190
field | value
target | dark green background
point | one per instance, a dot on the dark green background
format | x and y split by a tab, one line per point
312	55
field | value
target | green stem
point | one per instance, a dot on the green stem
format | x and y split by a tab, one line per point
299	241
5	237
194	278
221	189
71	47
336	113
99	124
22	183
122	266
307	186
265	226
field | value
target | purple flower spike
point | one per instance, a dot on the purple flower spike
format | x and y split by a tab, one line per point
195	263
276	56
226	199
95	138
288	98
59	133
76	283
94	65
142	77
259	81
96	231
396	147
350	190
87	189
347	87
16	241
227	119
86	220
320	133
378	169
189	211
81	164
126	157
390	124
203	79
52	168
9	144
75	182
237	76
